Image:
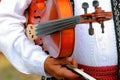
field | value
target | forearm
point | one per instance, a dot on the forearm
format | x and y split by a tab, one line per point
21	52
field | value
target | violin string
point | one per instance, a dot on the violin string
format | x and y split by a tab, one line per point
54	26
53	23
53	29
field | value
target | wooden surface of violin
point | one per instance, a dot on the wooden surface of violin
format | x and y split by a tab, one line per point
60	43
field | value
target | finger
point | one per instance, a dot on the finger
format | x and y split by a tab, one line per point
62	61
73	61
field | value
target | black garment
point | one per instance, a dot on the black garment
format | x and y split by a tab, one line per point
72	3
47	78
116	17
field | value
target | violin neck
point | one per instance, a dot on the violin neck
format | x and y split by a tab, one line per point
49	27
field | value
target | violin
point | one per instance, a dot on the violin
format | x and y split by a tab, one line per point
51	24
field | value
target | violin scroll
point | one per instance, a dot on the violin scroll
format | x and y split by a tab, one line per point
98	16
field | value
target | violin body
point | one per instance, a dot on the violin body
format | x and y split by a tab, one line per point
58	44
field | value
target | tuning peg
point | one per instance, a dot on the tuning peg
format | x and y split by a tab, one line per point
91	30
95	3
102	27
85	6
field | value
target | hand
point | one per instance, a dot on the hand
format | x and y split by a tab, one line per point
54	67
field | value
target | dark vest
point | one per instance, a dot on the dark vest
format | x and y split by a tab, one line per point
116	17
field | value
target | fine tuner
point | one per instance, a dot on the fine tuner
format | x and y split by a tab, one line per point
33	31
